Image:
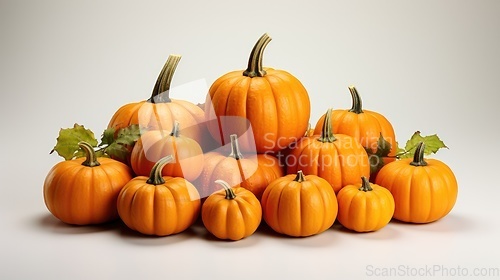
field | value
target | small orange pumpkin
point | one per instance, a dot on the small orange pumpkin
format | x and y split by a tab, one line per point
155	144
424	190
160	111
232	213
340	159
298	205
365	207
159	205
275	103
252	172
83	191
364	125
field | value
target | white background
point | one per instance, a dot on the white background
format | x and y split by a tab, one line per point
432	66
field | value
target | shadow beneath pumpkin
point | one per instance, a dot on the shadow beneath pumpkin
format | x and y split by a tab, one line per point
324	239
52	224
133	237
450	223
389	232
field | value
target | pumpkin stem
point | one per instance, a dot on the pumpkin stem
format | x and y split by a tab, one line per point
235	148
365	185
175	129
155	177
90	156
161	90
357	105
255	68
326	132
418	157
300	177
229	191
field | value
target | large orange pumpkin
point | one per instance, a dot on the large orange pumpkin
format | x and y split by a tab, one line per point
424	190
250	171
338	158
298	205
364	125
155	144
157	205
83	191
160	111
231	213
275	103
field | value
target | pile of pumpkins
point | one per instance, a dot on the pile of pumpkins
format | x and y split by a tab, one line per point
248	154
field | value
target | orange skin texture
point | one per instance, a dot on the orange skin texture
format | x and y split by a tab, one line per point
253	173
160	210
422	194
364	127
153	145
232	219
362	211
162	116
342	162
82	195
299	209
276	105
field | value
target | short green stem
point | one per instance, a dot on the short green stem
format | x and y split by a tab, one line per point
365	185
229	191
418	157
175	129
326	132
90	156
162	87
155	177
255	68
357	105
235	148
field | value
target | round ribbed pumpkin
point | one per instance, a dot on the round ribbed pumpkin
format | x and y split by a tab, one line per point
250	171
424	190
275	103
364	125
155	144
338	158
298	205
83	191
231	213
365	207
160	111
157	205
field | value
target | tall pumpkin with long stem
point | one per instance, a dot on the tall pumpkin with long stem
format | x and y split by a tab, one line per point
274	102
160	111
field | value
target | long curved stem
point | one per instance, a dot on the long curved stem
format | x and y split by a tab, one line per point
229	191
161	90
326	132
357	105
418	157
155	177
90	156
255	68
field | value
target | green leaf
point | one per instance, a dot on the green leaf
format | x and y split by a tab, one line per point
67	141
108	136
117	151
376	158
432	144
128	135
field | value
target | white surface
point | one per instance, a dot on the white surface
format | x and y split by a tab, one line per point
66	61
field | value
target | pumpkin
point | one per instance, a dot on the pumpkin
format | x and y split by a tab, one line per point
250	171
424	190
231	213
159	205
160	111
273	102
83	191
155	144
299	206
364	125
338	158
365	207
